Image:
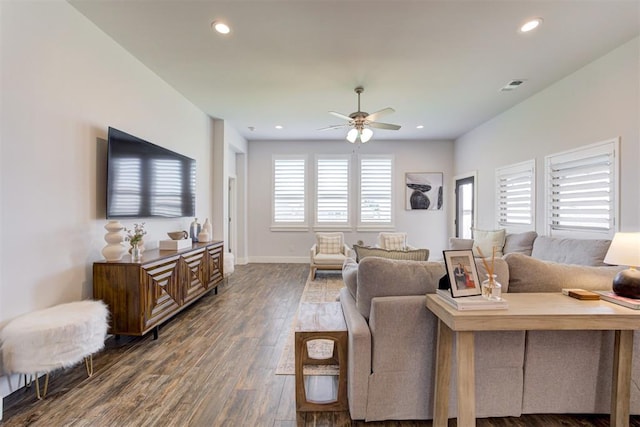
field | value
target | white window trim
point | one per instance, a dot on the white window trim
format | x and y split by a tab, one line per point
610	146
323	226
528	166
290	226
382	226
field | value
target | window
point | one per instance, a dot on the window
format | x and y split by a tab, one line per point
289	176
582	189
515	186
376	186
332	191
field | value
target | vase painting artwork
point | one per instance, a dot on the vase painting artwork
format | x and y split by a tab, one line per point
424	190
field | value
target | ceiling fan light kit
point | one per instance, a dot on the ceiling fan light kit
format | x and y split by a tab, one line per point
361	122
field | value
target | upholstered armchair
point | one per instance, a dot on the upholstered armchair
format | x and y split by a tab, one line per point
329	252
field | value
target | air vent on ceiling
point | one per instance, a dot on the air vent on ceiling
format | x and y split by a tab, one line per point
513	84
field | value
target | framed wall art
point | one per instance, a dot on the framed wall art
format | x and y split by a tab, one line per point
423	190
462	272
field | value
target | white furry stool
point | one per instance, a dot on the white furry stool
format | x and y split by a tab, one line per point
56	337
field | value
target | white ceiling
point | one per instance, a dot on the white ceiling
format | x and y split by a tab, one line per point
438	63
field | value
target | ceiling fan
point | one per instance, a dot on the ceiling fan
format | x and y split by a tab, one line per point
361	122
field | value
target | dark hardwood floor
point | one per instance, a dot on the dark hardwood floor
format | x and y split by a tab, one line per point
213	365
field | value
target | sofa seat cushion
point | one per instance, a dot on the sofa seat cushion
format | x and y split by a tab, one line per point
571	251
409	255
329	259
528	274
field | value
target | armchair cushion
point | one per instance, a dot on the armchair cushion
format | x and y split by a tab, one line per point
393	241
329	245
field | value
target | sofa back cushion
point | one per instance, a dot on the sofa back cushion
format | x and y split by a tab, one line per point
527	274
570	251
380	277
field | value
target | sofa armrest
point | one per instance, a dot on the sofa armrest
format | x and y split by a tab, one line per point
347	251
359	354
313	251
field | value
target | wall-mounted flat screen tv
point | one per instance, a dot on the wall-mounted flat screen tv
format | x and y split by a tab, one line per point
145	180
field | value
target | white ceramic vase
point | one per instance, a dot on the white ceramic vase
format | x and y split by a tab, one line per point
114	238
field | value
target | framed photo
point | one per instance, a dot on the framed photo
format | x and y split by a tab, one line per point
423	190
462	272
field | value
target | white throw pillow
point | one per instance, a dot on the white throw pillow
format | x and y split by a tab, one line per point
329	245
486	240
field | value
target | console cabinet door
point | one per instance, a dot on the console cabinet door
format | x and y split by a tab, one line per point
162	292
195	274
214	266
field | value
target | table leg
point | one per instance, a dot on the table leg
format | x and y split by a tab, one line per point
621	383
466	379
443	375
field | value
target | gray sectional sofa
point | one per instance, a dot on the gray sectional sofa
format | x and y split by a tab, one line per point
392	337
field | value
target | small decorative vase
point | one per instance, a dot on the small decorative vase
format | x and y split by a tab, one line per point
194	230
491	288
136	255
207	226
114	237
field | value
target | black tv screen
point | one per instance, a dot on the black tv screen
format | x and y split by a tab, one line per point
145	180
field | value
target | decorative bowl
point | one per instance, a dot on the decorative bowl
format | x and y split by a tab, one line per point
178	235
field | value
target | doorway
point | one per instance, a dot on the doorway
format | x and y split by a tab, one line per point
231	216
465	206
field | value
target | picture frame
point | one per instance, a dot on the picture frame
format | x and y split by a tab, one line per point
423	191
462	273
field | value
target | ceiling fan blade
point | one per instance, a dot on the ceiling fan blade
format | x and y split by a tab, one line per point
373	116
334	127
383	126
342	116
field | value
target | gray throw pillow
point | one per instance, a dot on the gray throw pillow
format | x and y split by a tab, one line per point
521	243
408	255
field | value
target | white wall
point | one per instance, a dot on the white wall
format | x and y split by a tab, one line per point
63	83
426	229
596	103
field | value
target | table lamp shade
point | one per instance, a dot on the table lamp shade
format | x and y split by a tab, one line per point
625	250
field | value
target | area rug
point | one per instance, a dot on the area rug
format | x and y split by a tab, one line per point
324	288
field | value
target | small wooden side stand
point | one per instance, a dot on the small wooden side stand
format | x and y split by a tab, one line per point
321	321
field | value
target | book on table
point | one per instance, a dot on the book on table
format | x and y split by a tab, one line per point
617	299
474	302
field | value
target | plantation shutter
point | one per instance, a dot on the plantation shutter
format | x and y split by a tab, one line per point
581	189
375	190
515	187
332	198
289	190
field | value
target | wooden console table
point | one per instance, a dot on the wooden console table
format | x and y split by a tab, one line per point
143	295
534	311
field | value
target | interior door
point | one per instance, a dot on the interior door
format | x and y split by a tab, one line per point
464	196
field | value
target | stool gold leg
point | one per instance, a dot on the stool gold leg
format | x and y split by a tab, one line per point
88	363
46	386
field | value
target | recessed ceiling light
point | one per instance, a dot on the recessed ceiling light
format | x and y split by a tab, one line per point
420	127
530	25
278	126
220	27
